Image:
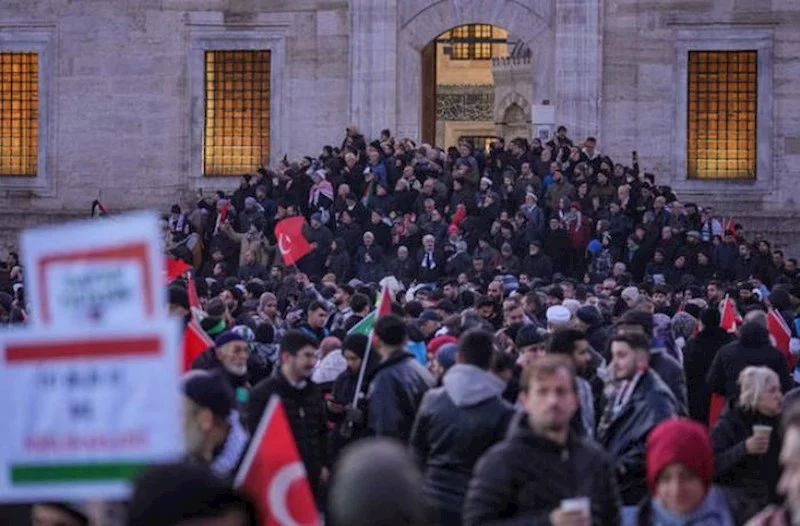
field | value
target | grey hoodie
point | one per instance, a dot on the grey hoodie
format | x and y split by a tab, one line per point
468	385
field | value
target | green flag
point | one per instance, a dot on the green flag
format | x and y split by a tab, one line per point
364	326
383	308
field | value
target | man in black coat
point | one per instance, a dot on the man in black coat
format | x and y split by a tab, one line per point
430	262
457	423
302	399
640	402
398	384
541	463
753	348
698	355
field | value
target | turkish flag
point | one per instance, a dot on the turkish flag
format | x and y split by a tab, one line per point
273	475
781	334
195	343
716	406
176	268
730	316
291	241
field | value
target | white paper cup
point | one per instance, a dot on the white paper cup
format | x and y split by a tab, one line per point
583	504
762	430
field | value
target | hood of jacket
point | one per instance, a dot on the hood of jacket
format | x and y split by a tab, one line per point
468	385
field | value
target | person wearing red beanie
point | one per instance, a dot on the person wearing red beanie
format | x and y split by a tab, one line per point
680	471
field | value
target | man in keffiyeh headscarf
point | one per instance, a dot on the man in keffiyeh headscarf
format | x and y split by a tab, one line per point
320	197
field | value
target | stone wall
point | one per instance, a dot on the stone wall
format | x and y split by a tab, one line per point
122	91
644	46
120	87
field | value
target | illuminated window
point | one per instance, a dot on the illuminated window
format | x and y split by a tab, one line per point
19	116
722	115
237	89
471	42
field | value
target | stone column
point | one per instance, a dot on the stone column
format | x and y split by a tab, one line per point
373	65
579	66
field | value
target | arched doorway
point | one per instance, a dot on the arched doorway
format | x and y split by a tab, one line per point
421	23
458	83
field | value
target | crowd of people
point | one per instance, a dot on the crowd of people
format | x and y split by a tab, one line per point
553	349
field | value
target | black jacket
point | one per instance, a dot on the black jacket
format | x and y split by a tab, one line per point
454	426
698	355
521	480
753	348
305	410
672	373
625	436
395	393
751	477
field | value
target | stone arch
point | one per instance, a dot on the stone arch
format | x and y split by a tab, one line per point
421	21
502	107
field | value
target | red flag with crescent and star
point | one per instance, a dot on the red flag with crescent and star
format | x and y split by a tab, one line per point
291	241
782	335
730	319
273	475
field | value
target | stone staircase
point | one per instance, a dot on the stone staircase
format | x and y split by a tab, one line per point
777	225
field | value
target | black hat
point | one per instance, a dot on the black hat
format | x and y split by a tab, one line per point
209	389
356	343
528	335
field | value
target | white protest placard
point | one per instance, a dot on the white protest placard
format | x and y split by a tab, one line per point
95	273
85	412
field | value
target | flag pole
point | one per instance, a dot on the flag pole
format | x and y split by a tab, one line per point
362	370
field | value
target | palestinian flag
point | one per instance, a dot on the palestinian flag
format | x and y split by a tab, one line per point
383	308
98	210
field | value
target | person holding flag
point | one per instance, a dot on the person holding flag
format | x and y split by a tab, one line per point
399	383
304	404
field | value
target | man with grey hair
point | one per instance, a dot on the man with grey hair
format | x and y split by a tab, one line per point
403	267
430	261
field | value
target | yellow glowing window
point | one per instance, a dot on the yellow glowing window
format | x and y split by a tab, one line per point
236	137
19	117
471	42
722	115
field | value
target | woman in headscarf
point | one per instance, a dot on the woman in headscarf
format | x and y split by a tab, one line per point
320	196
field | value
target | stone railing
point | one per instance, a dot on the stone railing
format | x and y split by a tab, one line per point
511	62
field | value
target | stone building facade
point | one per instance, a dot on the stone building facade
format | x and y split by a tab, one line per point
121	87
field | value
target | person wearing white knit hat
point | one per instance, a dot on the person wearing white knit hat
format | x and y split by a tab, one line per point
557	316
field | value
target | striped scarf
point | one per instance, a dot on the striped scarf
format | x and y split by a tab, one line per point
233	449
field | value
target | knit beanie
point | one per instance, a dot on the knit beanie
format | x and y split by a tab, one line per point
683	325
679	441
446	355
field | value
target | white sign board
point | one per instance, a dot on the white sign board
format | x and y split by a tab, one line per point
95	273
84	413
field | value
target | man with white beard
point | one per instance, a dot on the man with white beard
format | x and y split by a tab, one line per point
230	353
212	431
